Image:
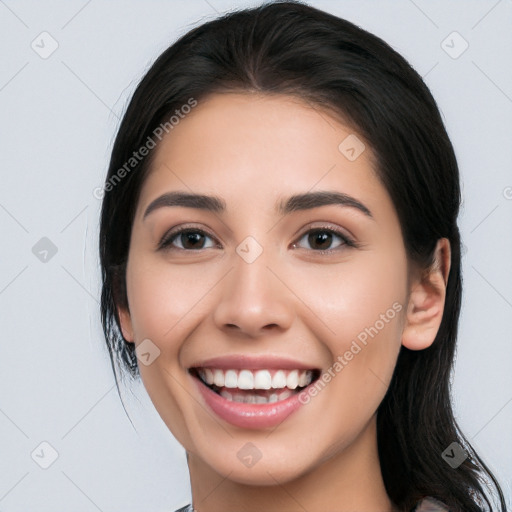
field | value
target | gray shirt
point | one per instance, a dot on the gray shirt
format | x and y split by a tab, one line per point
425	505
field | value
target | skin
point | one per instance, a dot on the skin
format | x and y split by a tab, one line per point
253	150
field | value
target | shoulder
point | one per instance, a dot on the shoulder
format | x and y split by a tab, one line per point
430	504
187	508
425	505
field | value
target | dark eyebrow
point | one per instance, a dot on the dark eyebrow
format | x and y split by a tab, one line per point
294	203
199	201
321	198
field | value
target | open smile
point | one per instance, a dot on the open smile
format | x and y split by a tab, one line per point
255	386
253	398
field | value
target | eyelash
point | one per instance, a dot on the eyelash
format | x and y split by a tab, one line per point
168	238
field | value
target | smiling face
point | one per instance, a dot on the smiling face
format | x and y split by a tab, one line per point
288	291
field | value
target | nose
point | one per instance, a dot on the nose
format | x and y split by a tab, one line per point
255	299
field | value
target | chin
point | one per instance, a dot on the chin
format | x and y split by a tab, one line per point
263	473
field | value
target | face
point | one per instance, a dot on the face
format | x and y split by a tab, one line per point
271	326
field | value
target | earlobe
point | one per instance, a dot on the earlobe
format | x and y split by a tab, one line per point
126	324
426	301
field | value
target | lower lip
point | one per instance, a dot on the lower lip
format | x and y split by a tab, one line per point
253	416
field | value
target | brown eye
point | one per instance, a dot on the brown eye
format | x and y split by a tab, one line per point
186	239
322	239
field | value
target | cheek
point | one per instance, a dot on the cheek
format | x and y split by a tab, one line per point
355	296
164	298
361	305
163	303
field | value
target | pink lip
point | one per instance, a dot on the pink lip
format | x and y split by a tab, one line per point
254	416
253	363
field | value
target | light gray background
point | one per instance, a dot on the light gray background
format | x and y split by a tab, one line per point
58	119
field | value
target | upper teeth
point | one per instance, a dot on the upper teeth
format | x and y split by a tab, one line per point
256	379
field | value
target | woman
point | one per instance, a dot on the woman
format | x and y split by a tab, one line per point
281	266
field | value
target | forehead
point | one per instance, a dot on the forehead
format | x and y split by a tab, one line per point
261	121
248	144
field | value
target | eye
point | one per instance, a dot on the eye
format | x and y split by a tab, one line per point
321	239
186	239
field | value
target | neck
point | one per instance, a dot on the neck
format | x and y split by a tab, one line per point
349	480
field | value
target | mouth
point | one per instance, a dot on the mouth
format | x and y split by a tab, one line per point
255	386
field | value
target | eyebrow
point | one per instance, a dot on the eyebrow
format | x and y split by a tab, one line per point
297	202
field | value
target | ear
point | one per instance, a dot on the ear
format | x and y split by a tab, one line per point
426	300
126	323
121	301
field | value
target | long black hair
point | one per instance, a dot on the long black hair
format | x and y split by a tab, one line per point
294	49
